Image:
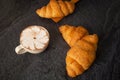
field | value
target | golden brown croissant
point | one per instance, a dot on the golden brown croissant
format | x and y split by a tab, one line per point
57	9
72	34
82	54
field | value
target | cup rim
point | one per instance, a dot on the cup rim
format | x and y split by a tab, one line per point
29	50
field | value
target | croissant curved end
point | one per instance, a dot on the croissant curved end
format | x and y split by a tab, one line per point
38	12
70	72
95	38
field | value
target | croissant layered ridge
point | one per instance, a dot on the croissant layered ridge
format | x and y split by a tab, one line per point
83	49
57	9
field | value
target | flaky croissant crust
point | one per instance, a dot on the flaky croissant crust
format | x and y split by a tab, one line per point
83	49
57	9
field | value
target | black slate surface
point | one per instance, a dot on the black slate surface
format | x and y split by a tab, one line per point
98	16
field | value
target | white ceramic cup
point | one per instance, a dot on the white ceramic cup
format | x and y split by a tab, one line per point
33	39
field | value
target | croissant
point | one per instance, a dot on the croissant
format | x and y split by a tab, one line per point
82	54
72	34
57	9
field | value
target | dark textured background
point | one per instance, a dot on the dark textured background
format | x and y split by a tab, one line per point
98	16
